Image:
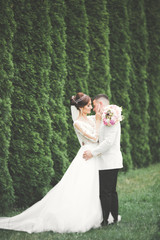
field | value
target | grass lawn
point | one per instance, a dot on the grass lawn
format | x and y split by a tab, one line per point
139	200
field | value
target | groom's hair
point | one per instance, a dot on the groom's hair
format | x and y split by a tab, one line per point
101	96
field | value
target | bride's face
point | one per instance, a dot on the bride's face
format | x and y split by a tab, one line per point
87	109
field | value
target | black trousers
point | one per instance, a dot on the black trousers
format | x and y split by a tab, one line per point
108	193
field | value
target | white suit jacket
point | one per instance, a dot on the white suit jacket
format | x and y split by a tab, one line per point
108	149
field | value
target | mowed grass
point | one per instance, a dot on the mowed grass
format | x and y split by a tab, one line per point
139	200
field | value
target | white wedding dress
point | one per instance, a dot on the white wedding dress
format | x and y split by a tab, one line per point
73	205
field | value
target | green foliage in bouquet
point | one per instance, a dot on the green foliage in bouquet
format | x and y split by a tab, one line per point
120	67
7	29
99	74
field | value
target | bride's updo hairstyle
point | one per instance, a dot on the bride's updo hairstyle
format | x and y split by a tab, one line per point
80	100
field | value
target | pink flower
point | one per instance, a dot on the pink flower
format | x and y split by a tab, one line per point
112	115
112	122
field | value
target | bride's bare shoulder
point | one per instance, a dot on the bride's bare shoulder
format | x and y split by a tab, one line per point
79	125
78	122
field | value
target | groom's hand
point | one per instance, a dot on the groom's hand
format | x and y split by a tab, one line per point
87	155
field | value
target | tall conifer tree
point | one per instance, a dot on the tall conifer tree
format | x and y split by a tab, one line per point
7	29
99	74
153	68
120	66
30	158
139	118
57	81
77	50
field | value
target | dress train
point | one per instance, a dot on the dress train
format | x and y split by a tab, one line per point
73	205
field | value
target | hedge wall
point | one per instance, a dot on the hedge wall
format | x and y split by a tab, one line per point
7	29
77	50
152	9
99	73
120	70
57	77
30	155
139	117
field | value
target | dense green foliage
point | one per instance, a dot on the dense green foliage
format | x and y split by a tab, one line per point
7	28
30	159
77	51
50	50
57	76
120	70
99	74
153	82
139	117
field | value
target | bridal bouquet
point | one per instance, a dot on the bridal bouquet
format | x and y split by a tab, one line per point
112	115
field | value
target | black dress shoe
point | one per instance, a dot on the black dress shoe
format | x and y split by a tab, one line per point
104	223
117	220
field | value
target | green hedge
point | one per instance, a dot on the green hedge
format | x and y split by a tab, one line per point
77	50
153	80
120	70
139	117
99	74
7	29
31	165
57	77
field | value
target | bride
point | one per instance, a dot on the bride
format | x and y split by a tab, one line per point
73	205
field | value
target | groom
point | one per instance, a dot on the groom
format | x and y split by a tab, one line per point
110	161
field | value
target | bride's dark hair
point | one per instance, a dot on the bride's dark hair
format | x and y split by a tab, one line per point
80	100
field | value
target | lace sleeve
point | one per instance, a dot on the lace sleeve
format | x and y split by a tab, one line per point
89	132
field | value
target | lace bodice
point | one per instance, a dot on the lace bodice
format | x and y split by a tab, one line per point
87	132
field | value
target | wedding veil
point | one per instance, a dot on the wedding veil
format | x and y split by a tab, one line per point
74	112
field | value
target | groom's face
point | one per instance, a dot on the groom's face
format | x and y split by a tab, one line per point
96	106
